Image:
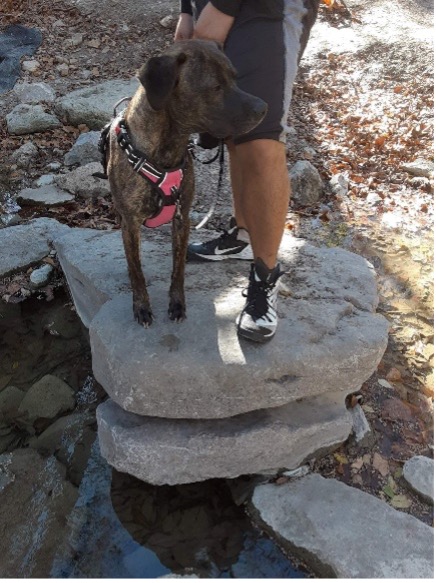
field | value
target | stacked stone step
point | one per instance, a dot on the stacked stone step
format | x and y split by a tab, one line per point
192	401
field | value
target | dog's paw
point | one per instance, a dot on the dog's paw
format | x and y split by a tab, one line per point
143	315
177	312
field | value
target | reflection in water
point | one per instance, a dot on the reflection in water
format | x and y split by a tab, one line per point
196	528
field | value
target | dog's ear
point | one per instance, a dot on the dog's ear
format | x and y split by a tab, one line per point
159	77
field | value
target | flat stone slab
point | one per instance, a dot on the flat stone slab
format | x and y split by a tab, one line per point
25	245
328	339
48	195
94	105
164	451
343	532
28	119
419	474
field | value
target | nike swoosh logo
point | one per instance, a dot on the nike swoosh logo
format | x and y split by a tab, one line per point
223	251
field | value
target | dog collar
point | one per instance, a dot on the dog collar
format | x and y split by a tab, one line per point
166	182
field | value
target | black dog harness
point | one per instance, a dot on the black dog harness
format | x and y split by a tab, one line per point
166	182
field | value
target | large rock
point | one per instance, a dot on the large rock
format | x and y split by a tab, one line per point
35	499
34	92
343	532
21	246
93	106
84	150
164	451
15	41
28	119
306	183
25	245
82	183
46	399
419	474
328	337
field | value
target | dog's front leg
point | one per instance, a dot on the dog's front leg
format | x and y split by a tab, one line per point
132	244
177	307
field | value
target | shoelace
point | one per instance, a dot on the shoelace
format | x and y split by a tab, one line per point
258	303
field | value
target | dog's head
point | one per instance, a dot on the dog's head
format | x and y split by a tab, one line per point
195	83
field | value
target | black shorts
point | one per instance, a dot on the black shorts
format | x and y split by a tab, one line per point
265	46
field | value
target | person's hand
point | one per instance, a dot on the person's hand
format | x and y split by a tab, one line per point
213	24
184	28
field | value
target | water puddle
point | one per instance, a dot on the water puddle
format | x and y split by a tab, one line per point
113	525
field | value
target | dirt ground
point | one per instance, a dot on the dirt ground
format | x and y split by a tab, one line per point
363	107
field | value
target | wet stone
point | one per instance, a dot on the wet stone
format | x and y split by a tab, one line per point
46	399
313	517
35	498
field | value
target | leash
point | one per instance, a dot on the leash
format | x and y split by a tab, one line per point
219	155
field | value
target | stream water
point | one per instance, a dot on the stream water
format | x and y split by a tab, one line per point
120	526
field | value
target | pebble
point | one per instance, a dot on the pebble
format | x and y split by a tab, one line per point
45	180
76	39
167	21
419	167
63	69
30	66
41	276
339	185
54	166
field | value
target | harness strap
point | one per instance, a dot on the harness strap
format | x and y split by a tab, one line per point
166	182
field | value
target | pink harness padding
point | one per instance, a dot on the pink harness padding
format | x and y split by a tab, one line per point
168	183
172	180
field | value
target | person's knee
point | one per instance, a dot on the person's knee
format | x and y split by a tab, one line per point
262	152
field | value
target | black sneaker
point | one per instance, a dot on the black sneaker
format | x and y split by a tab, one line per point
232	244
258	319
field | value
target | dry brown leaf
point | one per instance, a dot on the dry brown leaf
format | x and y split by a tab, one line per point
381	464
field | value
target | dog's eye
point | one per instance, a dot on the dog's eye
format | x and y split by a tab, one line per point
217	88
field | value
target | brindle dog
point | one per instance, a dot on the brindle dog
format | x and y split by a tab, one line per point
190	88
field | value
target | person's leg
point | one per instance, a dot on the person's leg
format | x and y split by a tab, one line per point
261	190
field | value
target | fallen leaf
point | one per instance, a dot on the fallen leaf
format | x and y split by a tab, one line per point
341	458
394	409
388	491
381	464
357	464
282	480
394	375
401	501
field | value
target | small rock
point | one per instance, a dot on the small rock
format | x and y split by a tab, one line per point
46	399
85	150
9	219
27	119
419	167
373	198
25	154
76	39
54	166
58	24
81	182
41	276
45	180
44	195
339	184
419	474
34	92
384	383
30	66
306	183
63	69
167	21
